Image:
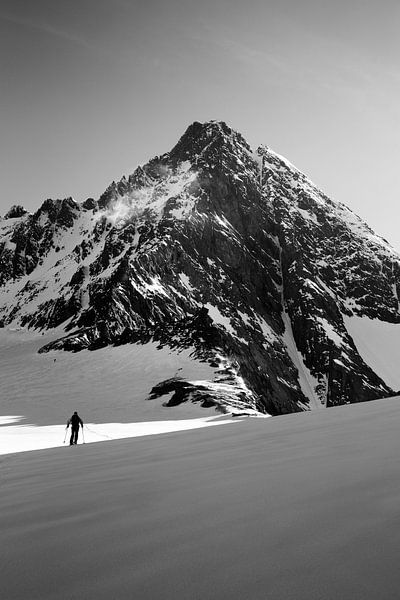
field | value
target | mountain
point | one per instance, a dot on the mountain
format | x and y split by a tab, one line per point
231	253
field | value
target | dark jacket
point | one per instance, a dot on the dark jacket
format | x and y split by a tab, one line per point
75	421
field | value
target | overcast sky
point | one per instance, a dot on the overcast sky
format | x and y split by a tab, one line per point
89	89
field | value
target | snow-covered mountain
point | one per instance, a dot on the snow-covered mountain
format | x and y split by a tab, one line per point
232	254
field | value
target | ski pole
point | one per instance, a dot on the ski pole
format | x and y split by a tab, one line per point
65	437
83	435
99	434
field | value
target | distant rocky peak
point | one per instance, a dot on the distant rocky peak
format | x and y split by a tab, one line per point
89	204
59	212
15	212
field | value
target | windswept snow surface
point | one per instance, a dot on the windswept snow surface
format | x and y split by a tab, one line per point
299	507
109	388
378	343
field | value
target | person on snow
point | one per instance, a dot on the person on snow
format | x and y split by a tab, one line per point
74	421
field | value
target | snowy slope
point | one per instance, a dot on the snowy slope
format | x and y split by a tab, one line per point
110	388
378	343
303	506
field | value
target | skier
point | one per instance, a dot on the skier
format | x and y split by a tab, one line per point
74	421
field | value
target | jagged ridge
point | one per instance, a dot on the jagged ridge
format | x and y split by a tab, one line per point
212	246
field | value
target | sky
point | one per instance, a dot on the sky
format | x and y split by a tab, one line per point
89	89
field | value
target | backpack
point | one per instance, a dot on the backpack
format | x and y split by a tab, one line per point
75	420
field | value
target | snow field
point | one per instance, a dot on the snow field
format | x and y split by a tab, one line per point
23	438
300	507
109	388
378	343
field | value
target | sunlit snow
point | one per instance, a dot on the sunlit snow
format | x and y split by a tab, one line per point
378	343
21	438
109	388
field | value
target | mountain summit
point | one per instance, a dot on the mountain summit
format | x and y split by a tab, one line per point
232	253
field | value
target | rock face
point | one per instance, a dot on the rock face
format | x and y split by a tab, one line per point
214	247
15	211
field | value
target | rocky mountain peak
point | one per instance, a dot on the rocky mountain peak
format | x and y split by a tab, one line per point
204	147
233	253
200	138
